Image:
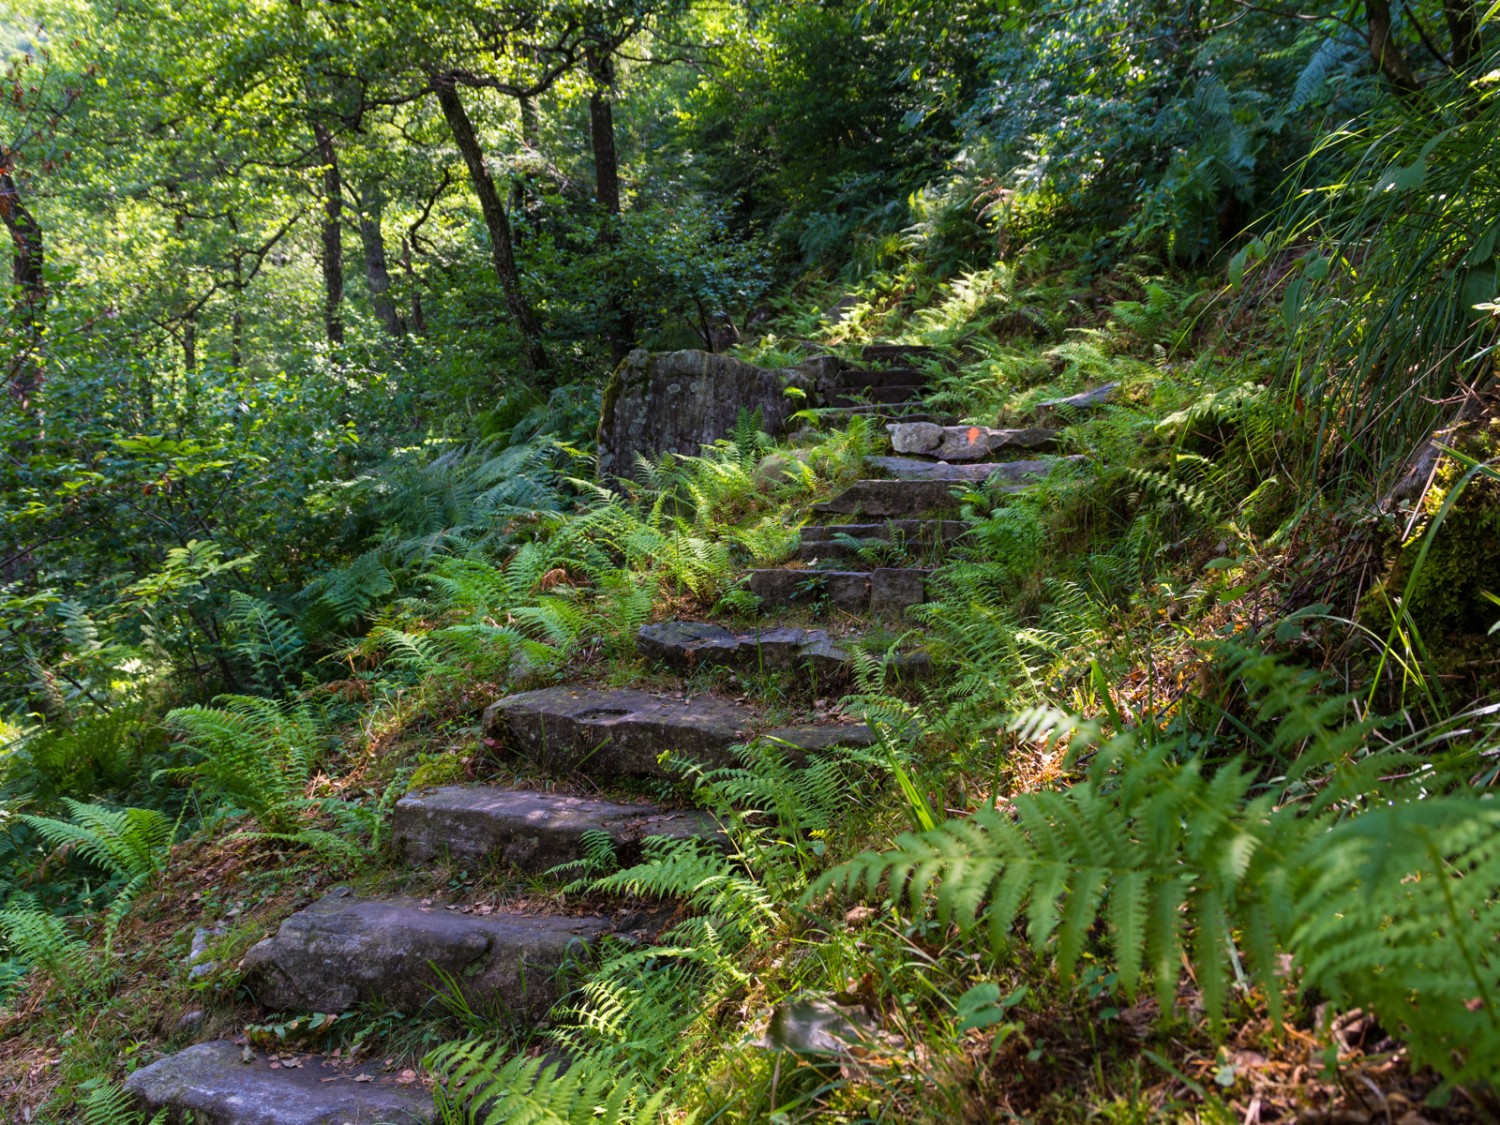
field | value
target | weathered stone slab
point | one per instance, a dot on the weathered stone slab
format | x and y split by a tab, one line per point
1080	403
342	950
621	731
909	531
528	830
848	590
866	377
799	740
910	468
678	402
965	443
1030	437
692	644
891	498
212	1084
778	587
900	353
892	590
886	394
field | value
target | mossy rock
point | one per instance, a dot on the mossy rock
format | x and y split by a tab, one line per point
1447	597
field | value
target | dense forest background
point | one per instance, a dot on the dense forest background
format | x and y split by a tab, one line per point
310	304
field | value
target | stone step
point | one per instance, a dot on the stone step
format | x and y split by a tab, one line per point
881	498
895	412
1006	472
686	645
883	591
869	377
888	394
902	353
911	531
342	950
531	831
610	732
1066	409
917	538
694	644
216	1084
967	443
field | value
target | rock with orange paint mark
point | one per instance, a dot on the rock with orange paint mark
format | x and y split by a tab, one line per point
965	443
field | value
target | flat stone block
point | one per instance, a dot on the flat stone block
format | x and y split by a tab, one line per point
892	498
212	1084
613	732
691	644
892	590
528	830
847	589
342	950
777	587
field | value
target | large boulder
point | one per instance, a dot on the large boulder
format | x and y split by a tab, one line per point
678	402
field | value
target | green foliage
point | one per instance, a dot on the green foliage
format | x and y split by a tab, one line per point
39	939
483	1084
106	1104
1379	890
258	754
129	844
1390	309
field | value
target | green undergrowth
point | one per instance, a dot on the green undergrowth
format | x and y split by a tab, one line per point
1134	827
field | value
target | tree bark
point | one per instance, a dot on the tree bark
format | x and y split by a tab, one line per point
1463	31
377	273
620	325
533	354
190	344
30	306
1386	51
332	235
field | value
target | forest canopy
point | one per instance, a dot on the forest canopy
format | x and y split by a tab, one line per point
312	309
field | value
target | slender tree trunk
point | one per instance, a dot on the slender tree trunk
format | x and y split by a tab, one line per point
1463	30
377	274
30	306
418	317
1385	50
190	344
333	235
236	298
533	355
620	326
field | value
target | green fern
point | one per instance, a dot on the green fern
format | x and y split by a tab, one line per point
1383	893
483	1083
266	640
130	844
104	1103
256	753
38	939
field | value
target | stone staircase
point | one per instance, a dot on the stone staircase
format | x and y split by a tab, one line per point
345	949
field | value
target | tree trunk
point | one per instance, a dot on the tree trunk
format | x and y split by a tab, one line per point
602	133
418	317
377	274
1385	50
620	326
25	376
533	355
190	344
333	235
1463	30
